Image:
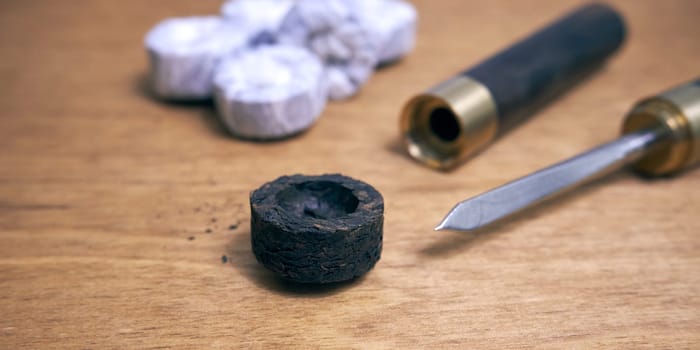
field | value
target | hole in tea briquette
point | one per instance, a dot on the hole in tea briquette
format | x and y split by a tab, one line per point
317	199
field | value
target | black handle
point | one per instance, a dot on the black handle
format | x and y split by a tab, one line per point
539	67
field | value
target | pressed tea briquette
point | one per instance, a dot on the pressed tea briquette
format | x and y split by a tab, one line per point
317	229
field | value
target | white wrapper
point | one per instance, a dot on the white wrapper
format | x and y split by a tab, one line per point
257	15
392	22
185	52
332	31
270	92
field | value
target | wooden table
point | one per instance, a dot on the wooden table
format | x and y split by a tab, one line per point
107	198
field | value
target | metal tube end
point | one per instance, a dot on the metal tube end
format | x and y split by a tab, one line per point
678	112
448	123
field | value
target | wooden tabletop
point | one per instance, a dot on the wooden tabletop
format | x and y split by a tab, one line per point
116	210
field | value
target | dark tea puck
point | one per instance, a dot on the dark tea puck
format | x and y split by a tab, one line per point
317	229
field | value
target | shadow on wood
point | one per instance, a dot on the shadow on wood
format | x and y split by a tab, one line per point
142	88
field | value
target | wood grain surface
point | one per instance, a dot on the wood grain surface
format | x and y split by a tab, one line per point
116	209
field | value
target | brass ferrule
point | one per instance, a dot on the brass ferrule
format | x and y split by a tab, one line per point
445	125
678	112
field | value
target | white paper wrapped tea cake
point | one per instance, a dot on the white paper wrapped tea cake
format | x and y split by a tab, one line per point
257	15
392	22
270	92
185	52
271	64
331	30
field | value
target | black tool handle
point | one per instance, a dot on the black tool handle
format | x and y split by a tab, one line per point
544	64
